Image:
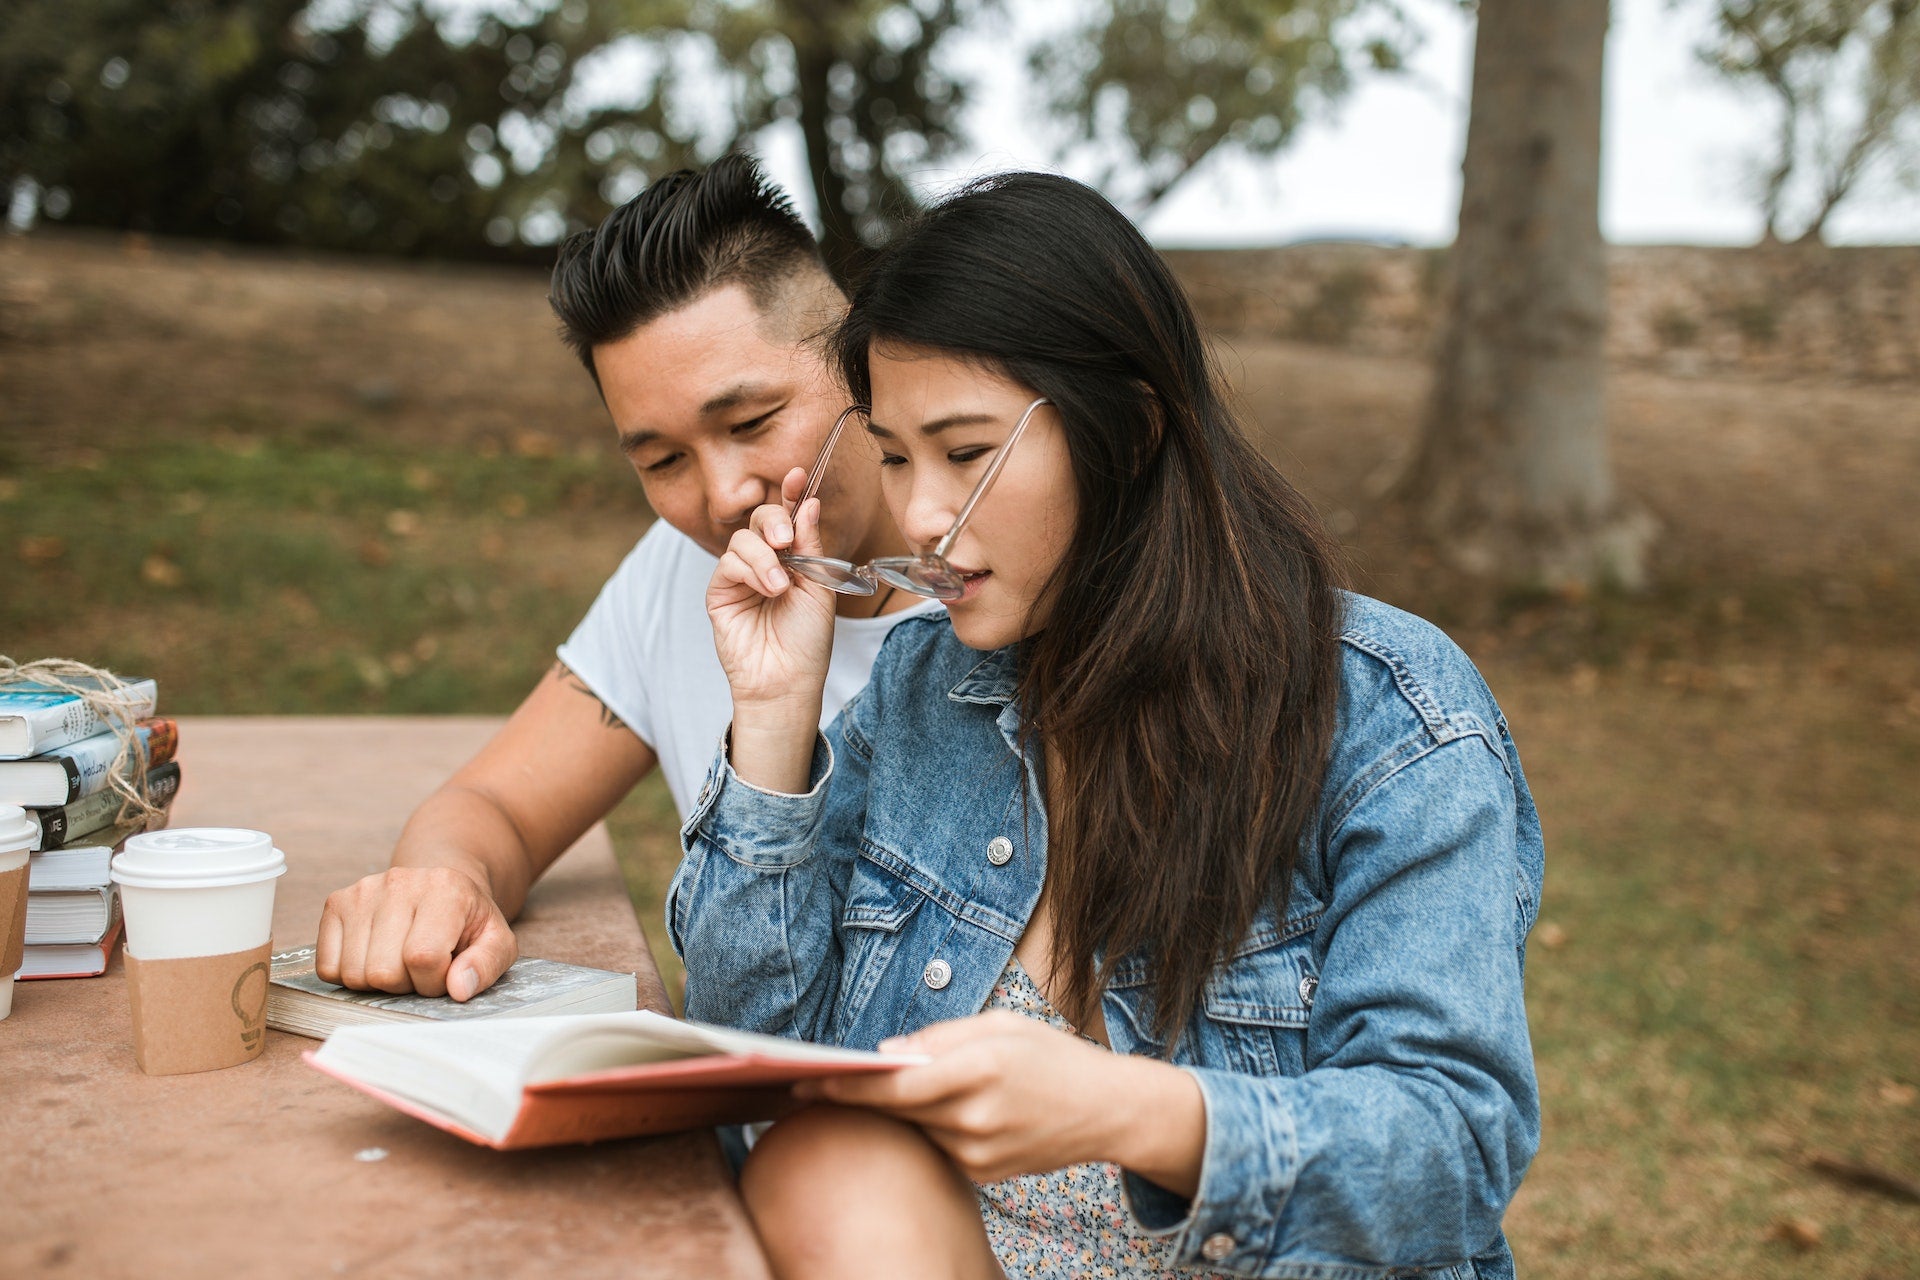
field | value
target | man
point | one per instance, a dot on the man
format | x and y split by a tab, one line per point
692	307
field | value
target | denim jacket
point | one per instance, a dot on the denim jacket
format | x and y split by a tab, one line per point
1364	1061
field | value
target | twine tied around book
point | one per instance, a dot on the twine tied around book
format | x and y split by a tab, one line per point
115	703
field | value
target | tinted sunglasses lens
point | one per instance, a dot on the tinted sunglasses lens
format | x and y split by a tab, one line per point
828	572
920	577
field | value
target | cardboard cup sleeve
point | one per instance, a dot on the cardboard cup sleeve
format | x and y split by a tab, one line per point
13	919
199	1013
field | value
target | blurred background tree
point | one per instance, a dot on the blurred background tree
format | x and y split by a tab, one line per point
1152	89
1511	477
405	126
1845	78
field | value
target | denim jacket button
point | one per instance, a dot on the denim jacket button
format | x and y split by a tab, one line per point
939	973
999	851
1218	1247
1308	985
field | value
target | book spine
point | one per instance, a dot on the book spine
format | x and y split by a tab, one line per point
63	827
162	739
61	723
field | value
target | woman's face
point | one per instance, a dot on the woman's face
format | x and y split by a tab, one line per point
937	421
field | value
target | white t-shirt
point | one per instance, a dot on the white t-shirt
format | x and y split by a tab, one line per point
645	648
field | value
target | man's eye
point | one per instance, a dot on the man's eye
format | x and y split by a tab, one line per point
963	456
892	460
748	428
665	464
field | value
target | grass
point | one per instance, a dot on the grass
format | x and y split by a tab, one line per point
312	571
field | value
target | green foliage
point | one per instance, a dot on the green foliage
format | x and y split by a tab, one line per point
1157	87
359	125
1845	78
409	126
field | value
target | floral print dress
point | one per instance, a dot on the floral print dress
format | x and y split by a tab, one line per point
1070	1224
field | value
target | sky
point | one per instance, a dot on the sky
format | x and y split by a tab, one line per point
1677	146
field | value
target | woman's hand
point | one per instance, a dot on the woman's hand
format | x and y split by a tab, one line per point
773	629
1007	1095
774	634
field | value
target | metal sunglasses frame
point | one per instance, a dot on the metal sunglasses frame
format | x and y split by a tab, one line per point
925	575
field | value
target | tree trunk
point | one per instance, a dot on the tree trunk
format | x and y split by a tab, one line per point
1511	478
840	245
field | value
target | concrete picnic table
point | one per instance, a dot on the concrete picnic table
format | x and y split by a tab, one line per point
274	1169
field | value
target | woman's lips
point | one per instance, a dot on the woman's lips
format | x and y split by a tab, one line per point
971	581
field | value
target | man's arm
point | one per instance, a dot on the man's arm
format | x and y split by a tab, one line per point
436	921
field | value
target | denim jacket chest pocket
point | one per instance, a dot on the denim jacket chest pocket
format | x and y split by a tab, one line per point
878	908
1254	1009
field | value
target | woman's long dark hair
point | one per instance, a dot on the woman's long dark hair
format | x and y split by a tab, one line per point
1186	679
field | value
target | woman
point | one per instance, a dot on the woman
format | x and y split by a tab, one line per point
1203	885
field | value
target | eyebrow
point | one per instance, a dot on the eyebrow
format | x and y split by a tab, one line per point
738	394
938	425
733	397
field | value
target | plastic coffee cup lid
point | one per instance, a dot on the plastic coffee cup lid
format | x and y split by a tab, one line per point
17	830
198	858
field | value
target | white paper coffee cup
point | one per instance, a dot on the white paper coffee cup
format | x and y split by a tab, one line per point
197	891
17	831
198	905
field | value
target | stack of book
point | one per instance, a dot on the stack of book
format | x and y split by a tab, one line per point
56	760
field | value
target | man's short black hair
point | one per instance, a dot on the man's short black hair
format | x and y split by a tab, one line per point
686	234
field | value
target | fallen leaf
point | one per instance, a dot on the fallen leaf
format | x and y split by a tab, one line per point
1551	935
1895	1094
1802	1233
42	550
375	553
535	444
158	571
402	523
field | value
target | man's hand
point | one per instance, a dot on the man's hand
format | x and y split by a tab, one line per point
434	930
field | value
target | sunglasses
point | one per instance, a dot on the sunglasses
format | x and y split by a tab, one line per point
924	575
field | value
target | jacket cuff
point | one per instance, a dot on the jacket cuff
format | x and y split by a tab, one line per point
759	828
1247	1172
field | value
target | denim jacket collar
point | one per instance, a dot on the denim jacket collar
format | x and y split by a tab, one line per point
993	680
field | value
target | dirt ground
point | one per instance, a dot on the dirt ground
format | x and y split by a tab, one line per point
1725	982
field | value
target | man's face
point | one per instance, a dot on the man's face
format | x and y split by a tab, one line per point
714	408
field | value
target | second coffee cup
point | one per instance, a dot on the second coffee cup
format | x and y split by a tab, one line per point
198	903
17	832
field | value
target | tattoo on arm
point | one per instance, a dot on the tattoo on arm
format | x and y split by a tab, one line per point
608	720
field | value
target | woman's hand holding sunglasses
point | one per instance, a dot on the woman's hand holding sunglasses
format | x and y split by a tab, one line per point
774	634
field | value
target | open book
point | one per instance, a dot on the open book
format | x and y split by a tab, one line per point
537	1082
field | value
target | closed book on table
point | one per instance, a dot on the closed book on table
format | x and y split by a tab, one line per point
536	1082
71	959
35	719
70	898
72	824
65	774
300	1001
